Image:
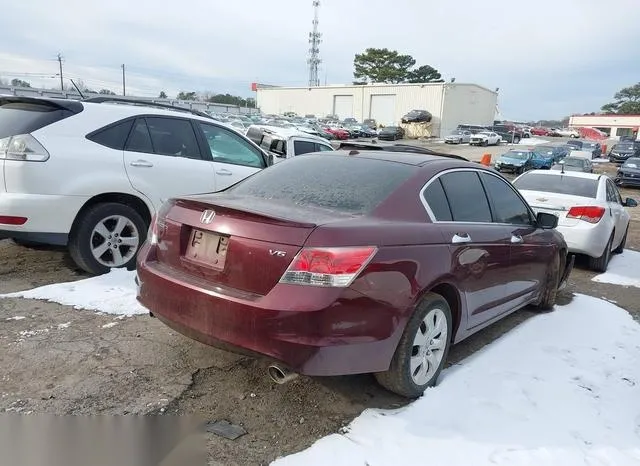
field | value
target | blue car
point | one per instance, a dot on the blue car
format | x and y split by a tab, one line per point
519	161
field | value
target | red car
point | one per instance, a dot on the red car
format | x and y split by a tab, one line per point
340	134
358	262
540	131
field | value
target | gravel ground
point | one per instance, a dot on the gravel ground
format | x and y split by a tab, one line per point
65	361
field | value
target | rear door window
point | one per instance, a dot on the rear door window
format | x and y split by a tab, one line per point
173	136
467	199
323	148
561	184
139	138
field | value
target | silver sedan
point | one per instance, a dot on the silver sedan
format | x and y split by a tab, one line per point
458	137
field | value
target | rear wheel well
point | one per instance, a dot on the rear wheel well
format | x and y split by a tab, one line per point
451	295
127	199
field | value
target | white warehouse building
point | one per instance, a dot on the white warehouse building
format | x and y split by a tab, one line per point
450	104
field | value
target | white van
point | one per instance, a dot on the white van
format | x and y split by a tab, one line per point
285	143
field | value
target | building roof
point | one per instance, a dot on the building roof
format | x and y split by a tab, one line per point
359	86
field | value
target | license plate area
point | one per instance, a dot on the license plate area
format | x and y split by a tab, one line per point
207	248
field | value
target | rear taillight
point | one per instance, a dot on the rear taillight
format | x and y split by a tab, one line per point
11	220
591	214
23	147
333	267
158	227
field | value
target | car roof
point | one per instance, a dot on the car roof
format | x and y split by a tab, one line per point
590	176
288	132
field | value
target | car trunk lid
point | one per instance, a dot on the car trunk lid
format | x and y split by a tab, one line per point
235	242
557	204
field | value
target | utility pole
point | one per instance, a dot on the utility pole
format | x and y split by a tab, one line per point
61	79
123	82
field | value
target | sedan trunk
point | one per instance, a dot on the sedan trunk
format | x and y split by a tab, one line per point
246	245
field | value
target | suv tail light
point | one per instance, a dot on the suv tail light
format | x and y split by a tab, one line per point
331	267
23	147
591	214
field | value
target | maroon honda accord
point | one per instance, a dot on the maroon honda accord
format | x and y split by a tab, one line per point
359	262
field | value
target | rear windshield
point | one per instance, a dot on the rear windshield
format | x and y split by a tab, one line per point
350	185
27	117
561	184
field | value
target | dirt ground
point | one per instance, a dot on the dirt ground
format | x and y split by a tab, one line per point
56	359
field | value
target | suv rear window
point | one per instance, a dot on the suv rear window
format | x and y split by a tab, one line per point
113	136
344	184
28	116
560	184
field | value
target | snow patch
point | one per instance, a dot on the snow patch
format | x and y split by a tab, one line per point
16	318
63	326
111	293
532	142
110	324
560	389
623	270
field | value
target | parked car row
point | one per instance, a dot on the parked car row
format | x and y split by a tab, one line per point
325	263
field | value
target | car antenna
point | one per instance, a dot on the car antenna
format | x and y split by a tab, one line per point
562	168
77	88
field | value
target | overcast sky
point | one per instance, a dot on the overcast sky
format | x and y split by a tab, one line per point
549	58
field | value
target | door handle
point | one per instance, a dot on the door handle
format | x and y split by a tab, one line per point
141	163
461	238
224	172
516	239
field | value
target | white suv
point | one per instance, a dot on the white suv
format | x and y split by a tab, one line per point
285	143
91	174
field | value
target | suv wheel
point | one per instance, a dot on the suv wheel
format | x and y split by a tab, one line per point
107	236
516	140
422	350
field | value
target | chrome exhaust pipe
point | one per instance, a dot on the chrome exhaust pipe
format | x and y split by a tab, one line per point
280	375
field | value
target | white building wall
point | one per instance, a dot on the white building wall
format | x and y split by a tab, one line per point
467	104
617	125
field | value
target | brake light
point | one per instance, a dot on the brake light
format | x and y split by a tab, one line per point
591	214
331	267
11	220
23	147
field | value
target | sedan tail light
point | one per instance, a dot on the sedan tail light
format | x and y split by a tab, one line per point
23	147
591	214
330	267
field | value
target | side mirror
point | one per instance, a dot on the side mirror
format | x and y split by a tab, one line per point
546	221
629	202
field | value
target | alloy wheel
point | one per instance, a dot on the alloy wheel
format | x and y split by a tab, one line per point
429	345
114	241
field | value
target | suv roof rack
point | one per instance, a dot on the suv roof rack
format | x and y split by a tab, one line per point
397	148
145	103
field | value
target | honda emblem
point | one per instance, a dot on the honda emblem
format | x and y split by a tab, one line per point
207	217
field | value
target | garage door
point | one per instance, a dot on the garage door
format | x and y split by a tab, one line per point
383	109
343	106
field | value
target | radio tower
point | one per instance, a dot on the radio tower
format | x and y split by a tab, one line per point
314	51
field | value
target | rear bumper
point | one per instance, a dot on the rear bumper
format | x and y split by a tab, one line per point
49	217
627	181
585	238
311	330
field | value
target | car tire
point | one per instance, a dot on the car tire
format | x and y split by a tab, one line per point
400	378
526	135
600	264
550	291
516	140
84	242
623	243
